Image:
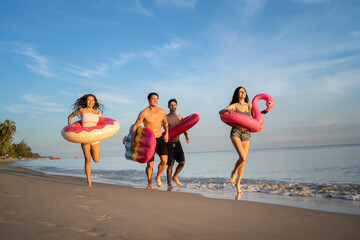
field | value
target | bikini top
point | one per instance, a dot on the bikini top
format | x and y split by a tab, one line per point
248	113
89	119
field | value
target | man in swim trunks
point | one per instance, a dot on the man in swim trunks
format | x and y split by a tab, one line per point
175	151
154	118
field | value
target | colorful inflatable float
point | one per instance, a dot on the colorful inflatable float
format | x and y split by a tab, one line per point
105	128
182	127
145	145
254	123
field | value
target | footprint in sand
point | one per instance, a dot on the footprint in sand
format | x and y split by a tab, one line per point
11	212
46	223
5	220
105	217
80	196
7	194
90	231
84	207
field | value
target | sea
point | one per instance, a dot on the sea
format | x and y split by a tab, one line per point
324	178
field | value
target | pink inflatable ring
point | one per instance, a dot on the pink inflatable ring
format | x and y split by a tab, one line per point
105	128
182	127
255	123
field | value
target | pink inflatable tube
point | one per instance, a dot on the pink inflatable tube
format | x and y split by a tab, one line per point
182	127
254	123
105	128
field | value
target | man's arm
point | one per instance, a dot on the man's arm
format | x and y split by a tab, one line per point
166	128
139	120
185	133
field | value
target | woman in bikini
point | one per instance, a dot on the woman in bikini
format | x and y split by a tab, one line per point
88	110
240	135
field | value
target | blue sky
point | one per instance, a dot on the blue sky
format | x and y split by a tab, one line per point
304	53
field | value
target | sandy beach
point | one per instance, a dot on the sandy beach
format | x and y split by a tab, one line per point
34	205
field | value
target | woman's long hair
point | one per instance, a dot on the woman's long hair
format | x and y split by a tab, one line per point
235	97
82	103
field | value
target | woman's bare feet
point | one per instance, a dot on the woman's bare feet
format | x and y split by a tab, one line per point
239	192
232	178
237	197
177	181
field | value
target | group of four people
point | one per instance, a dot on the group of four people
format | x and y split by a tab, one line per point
155	118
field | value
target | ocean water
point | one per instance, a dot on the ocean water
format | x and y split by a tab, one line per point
322	178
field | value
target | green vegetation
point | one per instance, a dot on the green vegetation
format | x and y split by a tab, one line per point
10	149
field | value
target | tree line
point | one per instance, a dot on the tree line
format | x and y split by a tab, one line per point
10	149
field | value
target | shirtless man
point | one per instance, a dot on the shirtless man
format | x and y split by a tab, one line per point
154	118
175	150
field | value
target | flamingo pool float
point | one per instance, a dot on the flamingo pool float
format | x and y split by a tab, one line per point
254	123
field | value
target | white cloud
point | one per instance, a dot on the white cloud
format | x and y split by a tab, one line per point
355	33
253	6
35	104
40	63
141	10
110	98
38	100
173	45
90	21
15	108
312	1
177	3
151	55
322	64
338	83
124	58
23	108
87	73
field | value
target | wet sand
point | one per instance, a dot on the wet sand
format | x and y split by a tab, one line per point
34	205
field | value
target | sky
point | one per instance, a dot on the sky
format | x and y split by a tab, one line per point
303	53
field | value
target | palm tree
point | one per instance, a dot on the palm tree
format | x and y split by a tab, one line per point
7	130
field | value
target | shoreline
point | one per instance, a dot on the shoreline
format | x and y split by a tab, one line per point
33	205
320	204
336	205
5	160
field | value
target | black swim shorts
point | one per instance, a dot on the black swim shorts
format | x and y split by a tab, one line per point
160	149
175	152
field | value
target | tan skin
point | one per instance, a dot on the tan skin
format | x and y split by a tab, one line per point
174	119
89	150
241	147
154	118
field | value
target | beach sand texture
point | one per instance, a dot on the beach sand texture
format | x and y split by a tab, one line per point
34	205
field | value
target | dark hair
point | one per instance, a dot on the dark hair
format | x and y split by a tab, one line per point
151	94
172	100
82	103
235	97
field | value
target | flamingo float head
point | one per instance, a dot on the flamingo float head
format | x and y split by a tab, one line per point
269	102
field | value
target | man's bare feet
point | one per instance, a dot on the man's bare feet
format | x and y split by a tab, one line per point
232	178
159	183
149	186
170	187
177	181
